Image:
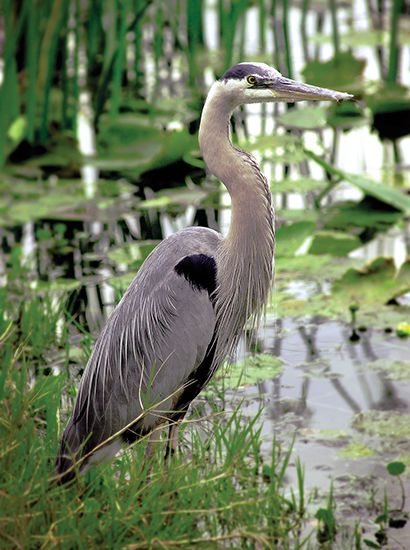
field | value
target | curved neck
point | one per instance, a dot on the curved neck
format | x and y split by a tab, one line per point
245	257
220	157
237	170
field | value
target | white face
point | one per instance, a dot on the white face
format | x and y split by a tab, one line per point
266	84
249	89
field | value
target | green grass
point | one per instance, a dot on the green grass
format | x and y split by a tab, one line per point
216	490
205	495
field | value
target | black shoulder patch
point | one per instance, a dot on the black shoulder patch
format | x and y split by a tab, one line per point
199	270
241	70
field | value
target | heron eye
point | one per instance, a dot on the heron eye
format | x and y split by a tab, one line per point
251	80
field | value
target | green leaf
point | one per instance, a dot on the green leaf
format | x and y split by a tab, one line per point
341	71
156	202
301	185
403	330
334	243
194	159
371	544
368	213
281	147
250	371
128	142
396	468
312	268
382	192
389	98
17	130
132	254
355	450
180	197
58	285
290	237
306	118
346	115
376	282
386	425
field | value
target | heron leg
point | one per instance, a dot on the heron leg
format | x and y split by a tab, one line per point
172	443
152	441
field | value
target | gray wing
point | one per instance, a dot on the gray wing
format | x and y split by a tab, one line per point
155	338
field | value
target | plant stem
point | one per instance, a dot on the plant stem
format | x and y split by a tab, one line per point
335	30
285	24
393	47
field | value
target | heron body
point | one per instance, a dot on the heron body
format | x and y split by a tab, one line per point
188	304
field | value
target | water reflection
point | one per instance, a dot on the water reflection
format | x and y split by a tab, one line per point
325	384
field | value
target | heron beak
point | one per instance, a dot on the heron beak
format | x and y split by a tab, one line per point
286	89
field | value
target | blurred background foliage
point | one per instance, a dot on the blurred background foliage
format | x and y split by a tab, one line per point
142	56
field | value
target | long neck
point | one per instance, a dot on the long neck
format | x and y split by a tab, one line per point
245	257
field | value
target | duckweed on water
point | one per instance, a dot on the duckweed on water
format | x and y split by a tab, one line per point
250	371
383	424
355	450
396	370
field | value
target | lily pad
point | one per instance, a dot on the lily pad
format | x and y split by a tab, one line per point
306	118
346	115
377	316
317	268
355	450
390	107
340	72
275	141
250	371
383	424
334	243
375	283
22	212
62	151
127	143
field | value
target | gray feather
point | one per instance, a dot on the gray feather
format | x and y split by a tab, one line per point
155	337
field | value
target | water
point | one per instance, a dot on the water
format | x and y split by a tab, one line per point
327	384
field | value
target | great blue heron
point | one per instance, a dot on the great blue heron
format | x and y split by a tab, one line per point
188	304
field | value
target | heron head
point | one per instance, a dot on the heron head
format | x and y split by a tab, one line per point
259	83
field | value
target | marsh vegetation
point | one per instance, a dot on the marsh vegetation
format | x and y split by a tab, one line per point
303	440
